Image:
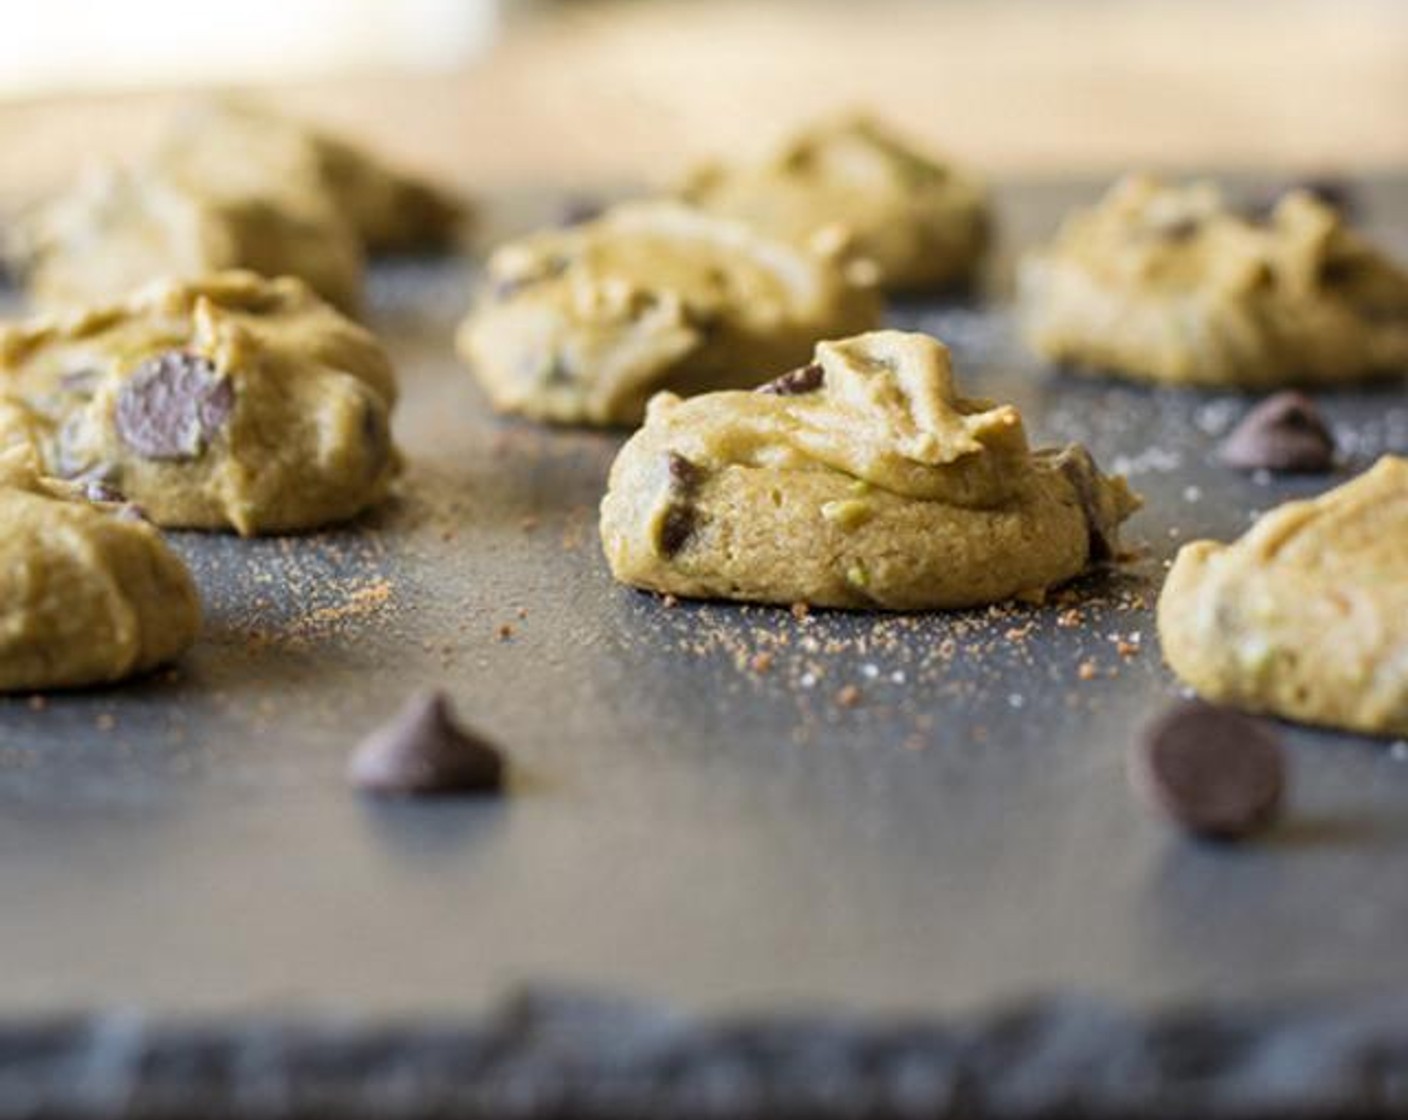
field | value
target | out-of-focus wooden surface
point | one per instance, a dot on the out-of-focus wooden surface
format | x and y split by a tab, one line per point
622	92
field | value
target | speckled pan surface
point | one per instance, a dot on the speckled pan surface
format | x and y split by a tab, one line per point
690	824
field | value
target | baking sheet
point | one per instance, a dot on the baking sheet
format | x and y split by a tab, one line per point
683	826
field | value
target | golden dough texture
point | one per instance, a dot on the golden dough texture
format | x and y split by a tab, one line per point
863	480
1170	284
1306	616
581	325
234	402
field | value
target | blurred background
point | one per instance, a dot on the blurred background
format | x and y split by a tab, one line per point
497	93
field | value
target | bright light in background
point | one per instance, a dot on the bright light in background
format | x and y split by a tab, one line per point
50	45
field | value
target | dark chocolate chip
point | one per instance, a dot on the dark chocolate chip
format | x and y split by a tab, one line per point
1285	432
799	382
80	382
1338	194
173	405
676	527
1183	229
422	751
580	209
679	521
1214	772
1076	463
684	475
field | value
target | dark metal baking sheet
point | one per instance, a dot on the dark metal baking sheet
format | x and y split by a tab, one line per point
683	828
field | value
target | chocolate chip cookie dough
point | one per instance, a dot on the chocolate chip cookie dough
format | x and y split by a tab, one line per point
235	402
582	325
1171	284
862	480
1306	616
230	186
853	184
89	592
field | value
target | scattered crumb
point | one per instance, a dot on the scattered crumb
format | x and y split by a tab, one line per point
1069	618
761	662
848	696
106	721
668	601
801	611
37	703
1087	671
505	632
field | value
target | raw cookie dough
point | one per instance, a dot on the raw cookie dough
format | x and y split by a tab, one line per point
230	186
861	480
120	228
235	402
852	183
89	592
215	141
1169	284
1306	616
581	325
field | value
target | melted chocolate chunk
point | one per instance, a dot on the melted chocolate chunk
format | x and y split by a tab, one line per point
679	521
173	405
1213	772
1075	462
423	751
1285	432
580	209
798	383
1338	194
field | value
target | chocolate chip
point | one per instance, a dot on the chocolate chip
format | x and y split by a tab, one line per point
684	475
1183	229
1337	193
580	209
1285	432
173	405
679	520
1211	771
799	382
422	751
1076	463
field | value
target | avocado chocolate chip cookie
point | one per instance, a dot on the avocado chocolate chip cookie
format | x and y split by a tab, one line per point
89	592
235	402
1306	616
581	325
861	480
921	223
229	187
1171	284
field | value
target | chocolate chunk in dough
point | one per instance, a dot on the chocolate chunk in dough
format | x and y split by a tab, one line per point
1212	771
173	406
1285	432
423	751
799	382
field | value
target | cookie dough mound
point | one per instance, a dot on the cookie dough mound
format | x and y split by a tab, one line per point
861	480
89	593
216	141
121	228
581	325
235	402
853	184
1306	616
1169	284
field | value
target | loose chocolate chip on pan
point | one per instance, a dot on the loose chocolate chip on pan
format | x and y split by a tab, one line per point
1214	772
799	382
423	751
1285	432
173	405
